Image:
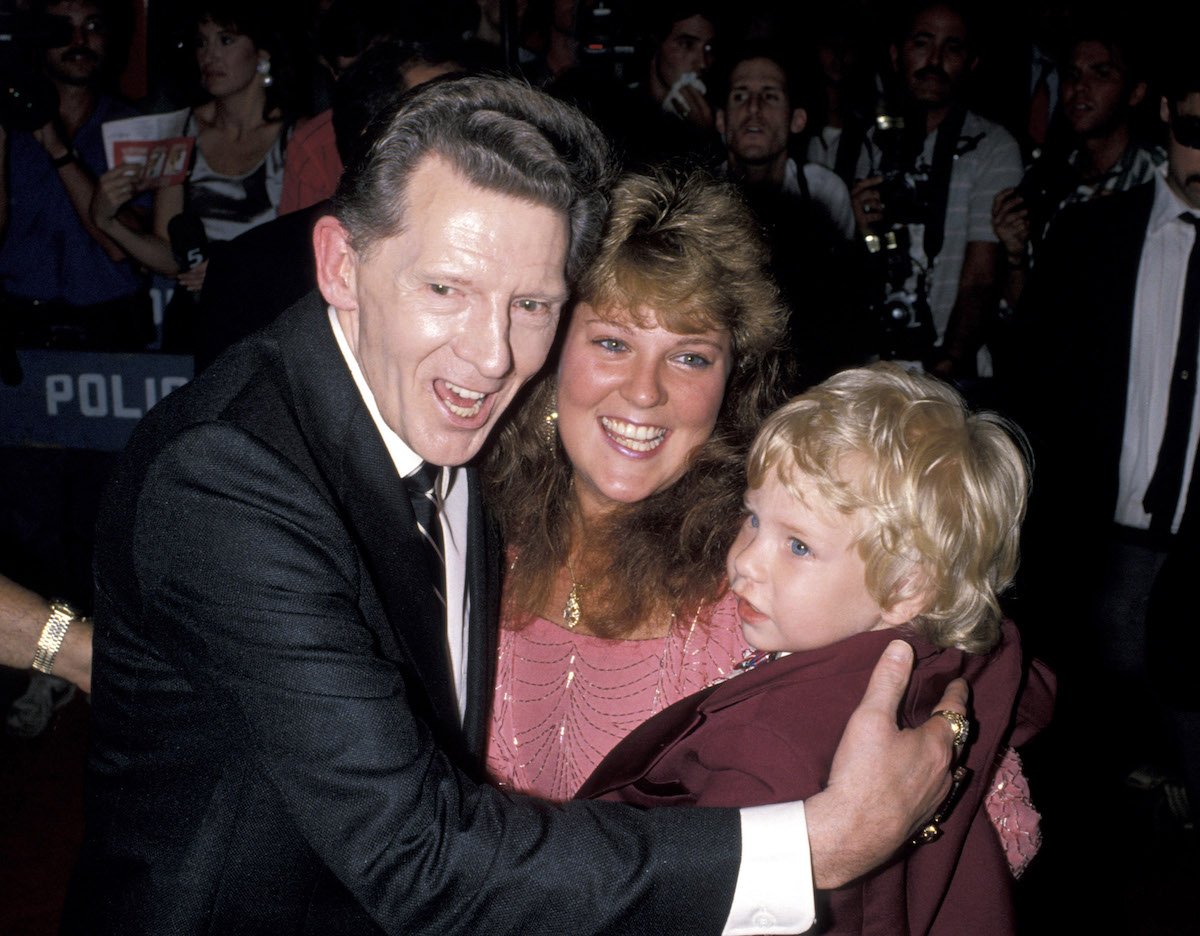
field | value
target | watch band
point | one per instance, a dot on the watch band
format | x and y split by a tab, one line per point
65	159
53	632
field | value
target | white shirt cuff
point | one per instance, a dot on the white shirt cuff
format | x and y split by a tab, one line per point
774	891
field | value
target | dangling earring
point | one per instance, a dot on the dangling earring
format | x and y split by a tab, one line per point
548	428
264	68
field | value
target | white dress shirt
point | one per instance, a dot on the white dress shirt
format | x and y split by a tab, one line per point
1157	311
453	516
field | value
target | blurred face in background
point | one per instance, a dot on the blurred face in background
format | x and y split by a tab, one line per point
687	48
228	60
1096	93
758	117
934	60
81	59
1183	160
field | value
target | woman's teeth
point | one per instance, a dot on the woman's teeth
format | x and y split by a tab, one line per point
635	438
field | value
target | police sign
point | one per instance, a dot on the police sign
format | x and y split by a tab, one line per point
85	399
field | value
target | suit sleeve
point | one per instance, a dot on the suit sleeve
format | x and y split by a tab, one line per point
252	582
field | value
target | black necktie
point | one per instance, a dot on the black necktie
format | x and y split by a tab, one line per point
426	501
1162	495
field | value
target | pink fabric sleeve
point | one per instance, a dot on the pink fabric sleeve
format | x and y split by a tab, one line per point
1012	813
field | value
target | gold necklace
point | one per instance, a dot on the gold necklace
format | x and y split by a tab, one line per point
572	612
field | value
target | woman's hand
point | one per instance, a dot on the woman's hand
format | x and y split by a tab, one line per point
193	280
113	190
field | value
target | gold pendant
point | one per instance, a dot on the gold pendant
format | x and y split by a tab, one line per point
571	613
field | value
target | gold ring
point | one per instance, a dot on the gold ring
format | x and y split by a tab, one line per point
930	831
959	723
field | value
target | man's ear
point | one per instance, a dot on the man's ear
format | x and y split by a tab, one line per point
799	120
894	53
337	264
1138	94
1164	110
720	119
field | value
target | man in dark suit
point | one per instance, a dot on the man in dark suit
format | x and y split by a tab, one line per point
293	657
1108	329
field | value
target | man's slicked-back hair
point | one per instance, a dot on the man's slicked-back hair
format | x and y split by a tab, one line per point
501	135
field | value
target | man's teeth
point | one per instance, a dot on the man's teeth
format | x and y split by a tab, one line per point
464	412
637	438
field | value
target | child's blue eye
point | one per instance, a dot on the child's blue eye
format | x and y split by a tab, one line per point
798	548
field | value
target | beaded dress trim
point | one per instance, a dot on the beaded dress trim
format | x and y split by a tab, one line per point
563	699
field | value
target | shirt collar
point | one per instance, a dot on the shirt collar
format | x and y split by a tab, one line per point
405	459
1167	205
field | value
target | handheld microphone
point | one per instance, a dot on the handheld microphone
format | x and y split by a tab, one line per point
189	243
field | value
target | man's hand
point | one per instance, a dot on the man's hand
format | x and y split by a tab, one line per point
1010	221
51	140
868	207
696	109
884	781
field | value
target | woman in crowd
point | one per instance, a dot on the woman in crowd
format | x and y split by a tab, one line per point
249	101
620	483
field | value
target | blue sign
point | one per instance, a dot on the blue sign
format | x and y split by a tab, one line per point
85	399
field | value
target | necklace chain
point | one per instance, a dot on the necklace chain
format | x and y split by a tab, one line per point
572	612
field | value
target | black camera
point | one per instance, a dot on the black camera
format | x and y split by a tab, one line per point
902	316
905	326
1044	185
906	190
905	196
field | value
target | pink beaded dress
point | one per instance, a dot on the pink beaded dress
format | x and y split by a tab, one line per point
564	699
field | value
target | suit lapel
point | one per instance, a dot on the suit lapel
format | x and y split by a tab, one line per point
381	519
1117	265
350	453
483	583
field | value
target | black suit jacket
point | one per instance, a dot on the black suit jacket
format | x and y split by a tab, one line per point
1075	329
275	743
1076	326
253	278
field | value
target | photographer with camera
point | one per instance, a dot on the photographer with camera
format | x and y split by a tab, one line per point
927	178
65	283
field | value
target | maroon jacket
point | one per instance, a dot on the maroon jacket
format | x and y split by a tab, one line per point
769	736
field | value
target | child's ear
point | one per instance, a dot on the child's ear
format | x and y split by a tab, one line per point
912	595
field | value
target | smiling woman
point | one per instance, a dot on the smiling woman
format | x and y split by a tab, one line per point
619	516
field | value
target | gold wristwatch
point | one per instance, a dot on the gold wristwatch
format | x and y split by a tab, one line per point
53	632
